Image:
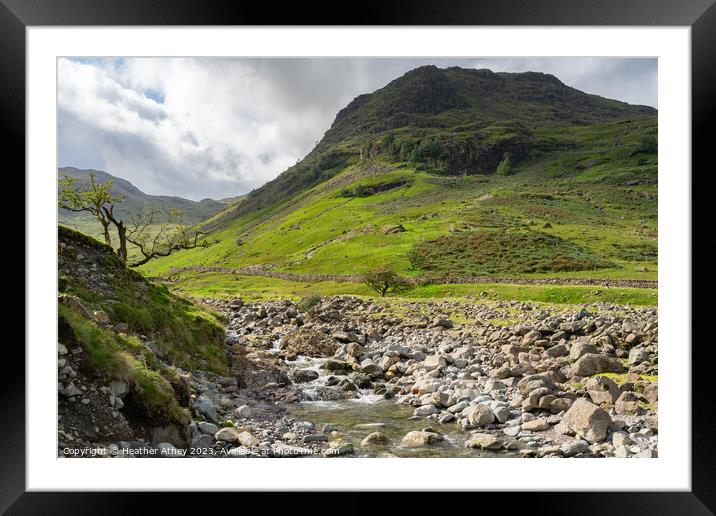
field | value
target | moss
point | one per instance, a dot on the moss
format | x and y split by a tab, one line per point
620	378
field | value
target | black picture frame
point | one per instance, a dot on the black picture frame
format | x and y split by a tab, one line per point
700	15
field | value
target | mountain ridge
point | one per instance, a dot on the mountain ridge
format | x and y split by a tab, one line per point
475	116
134	199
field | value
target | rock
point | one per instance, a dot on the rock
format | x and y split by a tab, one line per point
229	435
315	438
308	342
484	442
206	407
248	440
493	384
560	350
637	356
372	369
536	425
243	412
207	428
479	415
336	366
344	336
593	363
354	349
76	304
621	439
304	375
425	410
560	404
587	421
651	392
458	407
441	399
118	388
340	449
375	439
443	323
202	441
574	447
602	390
177	436
512	431
434	361
418	439
392	229
628	403
502	414
100	317
581	347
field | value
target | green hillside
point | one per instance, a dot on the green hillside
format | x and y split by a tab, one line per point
458	172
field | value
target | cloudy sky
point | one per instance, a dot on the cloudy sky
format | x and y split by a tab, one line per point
200	127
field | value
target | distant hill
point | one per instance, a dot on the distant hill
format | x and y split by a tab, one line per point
133	199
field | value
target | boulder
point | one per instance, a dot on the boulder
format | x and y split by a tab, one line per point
637	356
304	375
308	342
375	439
425	410
484	442
580	347
587	420
594	363
229	435
419	438
248	440
602	390
479	415
628	403
536	425
434	361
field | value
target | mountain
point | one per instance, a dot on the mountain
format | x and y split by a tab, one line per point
133	199
455	173
473	116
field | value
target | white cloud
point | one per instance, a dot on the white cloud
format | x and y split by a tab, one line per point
220	127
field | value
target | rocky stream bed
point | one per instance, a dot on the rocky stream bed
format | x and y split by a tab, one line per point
359	378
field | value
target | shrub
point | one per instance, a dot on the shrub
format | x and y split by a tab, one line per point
307	303
505	166
385	281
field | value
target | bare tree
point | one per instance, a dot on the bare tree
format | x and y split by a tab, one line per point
171	235
155	231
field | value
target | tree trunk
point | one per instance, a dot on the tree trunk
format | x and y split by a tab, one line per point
105	228
122	233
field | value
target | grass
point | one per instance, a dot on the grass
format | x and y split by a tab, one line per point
503	252
125	358
256	288
620	378
188	335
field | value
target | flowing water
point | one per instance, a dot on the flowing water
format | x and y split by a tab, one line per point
355	419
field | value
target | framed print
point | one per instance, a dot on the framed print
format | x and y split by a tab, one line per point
438	249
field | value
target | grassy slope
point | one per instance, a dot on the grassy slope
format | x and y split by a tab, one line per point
581	194
581	199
